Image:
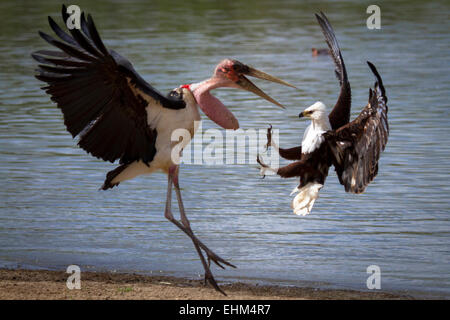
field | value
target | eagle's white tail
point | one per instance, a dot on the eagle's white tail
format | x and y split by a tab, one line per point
304	200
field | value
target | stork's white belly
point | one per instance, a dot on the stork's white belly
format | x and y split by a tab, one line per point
166	122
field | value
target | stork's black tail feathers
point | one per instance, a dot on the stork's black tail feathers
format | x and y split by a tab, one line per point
111	175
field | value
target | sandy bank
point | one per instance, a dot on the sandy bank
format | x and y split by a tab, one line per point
50	285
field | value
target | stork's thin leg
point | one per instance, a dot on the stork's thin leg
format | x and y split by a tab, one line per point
184	220
168	214
185	227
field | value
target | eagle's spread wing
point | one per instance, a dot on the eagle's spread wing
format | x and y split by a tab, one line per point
340	115
356	147
101	96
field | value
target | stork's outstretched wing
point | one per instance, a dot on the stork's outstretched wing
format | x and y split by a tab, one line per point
102	98
340	115
357	146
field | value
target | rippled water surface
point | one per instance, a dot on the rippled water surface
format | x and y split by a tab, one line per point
52	214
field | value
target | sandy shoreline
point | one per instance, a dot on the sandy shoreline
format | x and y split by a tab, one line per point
51	285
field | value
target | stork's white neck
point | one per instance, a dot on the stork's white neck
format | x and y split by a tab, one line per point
312	139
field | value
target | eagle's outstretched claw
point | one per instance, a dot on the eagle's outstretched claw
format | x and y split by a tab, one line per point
262	164
269	137
261	172
264	167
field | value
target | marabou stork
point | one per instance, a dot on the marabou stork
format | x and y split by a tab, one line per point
118	115
353	148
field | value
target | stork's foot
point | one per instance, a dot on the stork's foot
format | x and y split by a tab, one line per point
211	257
216	259
210	254
208	274
210	278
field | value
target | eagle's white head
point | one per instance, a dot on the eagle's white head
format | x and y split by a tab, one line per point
317	111
319	117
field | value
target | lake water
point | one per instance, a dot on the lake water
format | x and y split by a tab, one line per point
52	214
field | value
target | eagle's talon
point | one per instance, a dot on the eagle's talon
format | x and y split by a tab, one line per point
269	137
264	167
262	164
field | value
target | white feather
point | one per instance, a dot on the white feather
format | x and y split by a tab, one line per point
165	121
303	202
313	136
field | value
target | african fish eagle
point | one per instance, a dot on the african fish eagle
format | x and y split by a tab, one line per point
353	148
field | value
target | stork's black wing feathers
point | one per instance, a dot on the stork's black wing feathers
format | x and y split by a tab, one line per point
91	31
356	147
340	115
102	97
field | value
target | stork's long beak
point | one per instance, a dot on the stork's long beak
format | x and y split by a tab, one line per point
244	83
262	75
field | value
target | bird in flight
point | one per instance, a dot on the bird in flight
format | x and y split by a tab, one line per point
353	148
117	115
